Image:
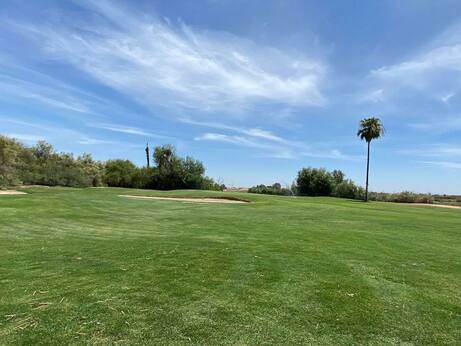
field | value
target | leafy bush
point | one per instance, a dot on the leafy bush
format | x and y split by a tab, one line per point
41	165
119	173
209	184
275	189
337	176
314	182
173	172
346	189
10	151
401	197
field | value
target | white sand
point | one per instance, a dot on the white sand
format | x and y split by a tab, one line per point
11	192
193	200
438	205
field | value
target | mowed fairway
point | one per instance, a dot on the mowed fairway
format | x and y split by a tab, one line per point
86	266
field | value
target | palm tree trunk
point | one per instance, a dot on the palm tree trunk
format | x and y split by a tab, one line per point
147	155
368	171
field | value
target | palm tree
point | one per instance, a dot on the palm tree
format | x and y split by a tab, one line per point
369	129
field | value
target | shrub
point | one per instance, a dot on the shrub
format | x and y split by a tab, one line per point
274	189
401	197
119	173
209	184
337	176
314	182
346	189
10	151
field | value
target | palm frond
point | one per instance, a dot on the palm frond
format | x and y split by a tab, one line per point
370	128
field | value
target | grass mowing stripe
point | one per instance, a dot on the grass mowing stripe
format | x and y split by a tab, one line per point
85	266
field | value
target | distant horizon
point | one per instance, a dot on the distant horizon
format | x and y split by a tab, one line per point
255	90
228	186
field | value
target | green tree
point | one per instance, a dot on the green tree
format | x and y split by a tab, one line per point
345	189
173	172
119	173
337	176
192	171
369	129
91	170
314	182
168	173
10	150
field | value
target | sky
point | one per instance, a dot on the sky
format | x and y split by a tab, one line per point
256	89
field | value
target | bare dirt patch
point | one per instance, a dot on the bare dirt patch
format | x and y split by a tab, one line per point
12	192
438	205
191	200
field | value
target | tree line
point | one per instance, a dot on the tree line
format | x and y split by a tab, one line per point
40	164
315	182
320	182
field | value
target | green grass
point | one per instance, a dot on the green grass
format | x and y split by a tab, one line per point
88	267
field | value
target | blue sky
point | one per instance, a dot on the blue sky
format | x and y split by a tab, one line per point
255	89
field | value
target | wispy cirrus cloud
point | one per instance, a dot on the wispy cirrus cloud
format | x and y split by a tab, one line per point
439	125
283	149
129	130
52	96
157	63
444	164
438	155
431	71
237	140
435	150
25	137
252	132
36	89
265	148
412	71
94	141
33	132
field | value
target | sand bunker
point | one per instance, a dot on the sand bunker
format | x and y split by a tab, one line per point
438	205
192	200
11	192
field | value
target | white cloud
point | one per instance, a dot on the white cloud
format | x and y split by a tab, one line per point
373	96
444	164
158	64
94	141
50	96
331	154
435	150
25	137
267	148
435	69
237	140
439	58
283	149
446	98
253	132
127	130
49	132
440	125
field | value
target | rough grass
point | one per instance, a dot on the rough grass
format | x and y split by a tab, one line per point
87	267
